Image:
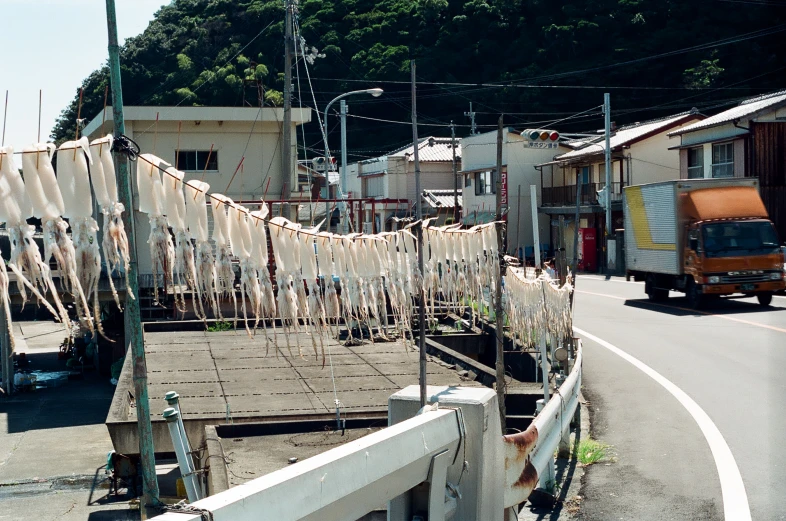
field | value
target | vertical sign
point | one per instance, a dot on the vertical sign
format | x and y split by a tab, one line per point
504	189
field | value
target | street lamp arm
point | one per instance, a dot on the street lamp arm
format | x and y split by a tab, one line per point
373	92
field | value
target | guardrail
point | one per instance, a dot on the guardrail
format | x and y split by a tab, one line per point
346	482
529	455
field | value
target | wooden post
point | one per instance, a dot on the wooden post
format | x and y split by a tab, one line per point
133	322
419	216
500	319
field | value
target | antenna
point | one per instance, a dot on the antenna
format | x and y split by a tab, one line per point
471	115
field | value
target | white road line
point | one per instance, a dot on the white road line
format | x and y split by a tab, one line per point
735	499
604	279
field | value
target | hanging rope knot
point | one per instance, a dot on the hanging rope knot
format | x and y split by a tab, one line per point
123	144
183	508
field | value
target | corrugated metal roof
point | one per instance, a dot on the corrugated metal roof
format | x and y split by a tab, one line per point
431	151
745	109
441	198
624	136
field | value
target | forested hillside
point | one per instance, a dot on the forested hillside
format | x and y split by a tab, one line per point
656	57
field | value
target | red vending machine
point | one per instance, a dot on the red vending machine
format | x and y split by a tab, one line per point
588	260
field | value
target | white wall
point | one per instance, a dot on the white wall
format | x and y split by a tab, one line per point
262	161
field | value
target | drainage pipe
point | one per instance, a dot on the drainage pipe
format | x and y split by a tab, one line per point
183	458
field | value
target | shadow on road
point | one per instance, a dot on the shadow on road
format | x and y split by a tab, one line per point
679	307
83	399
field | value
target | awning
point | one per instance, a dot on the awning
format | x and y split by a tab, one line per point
473	218
481	169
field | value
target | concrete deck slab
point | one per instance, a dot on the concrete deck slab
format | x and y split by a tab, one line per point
211	370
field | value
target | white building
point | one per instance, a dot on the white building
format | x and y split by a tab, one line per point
519	159
390	179
185	136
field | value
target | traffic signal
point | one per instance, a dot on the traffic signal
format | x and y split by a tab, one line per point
540	138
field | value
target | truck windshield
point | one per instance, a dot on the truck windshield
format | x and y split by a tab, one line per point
739	238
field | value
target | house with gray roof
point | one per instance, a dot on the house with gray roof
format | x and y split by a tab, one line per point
748	140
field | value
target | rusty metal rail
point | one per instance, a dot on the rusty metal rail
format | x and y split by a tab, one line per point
529	454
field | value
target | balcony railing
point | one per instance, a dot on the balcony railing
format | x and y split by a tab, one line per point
566	195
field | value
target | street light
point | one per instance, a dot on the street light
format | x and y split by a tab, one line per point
376	92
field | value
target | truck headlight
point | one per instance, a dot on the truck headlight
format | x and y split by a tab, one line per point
713	280
776	276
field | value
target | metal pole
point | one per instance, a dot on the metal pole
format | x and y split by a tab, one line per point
286	148
456	210
500	320
183	458
518	224
575	263
133	322
419	216
533	194
344	157
607	118
5	351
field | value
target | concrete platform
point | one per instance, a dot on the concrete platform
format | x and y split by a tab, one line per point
227	377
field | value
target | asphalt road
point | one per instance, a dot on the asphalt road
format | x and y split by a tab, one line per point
729	359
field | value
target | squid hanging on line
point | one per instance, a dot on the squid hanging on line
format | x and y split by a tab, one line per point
240	241
326	269
152	202
114	244
315	313
25	261
281	236
74	182
184	269
196	219
225	275
260	255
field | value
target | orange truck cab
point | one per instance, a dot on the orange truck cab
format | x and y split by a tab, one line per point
703	237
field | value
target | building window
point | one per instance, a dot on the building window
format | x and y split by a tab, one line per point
373	186
195	160
696	163
723	160
485	182
467	181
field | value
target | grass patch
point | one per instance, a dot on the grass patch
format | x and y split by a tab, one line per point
591	451
221	325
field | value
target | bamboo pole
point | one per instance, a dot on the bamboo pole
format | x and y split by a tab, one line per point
133	323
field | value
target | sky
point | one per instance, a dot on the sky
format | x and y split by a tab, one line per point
52	45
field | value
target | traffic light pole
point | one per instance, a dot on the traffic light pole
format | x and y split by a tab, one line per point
607	120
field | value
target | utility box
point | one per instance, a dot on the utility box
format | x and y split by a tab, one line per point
481	479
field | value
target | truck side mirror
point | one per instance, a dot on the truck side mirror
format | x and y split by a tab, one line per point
693	244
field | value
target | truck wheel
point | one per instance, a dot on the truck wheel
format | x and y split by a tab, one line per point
655	294
765	299
694	295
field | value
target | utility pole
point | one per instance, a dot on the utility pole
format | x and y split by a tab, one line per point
286	140
456	210
344	162
471	115
419	217
500	320
5	351
607	118
133	322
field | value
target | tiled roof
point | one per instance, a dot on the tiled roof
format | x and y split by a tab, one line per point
625	135
745	109
431	149
441	198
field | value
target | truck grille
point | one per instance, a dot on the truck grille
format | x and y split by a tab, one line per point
741	279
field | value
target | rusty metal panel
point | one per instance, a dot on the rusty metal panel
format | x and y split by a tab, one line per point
528	453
